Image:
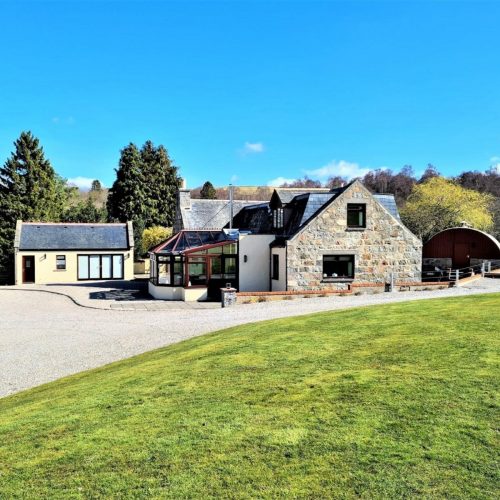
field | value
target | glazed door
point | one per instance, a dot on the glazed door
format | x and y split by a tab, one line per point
28	269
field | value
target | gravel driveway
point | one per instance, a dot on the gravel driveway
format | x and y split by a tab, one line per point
44	337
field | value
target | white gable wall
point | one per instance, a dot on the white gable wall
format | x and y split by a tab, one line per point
254	274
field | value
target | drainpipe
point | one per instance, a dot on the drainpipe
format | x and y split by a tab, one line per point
230	206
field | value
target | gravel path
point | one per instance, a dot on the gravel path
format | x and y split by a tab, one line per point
44	336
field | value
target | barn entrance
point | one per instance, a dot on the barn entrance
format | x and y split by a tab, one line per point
461	257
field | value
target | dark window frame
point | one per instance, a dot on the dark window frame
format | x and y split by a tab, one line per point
227	256
276	267
328	276
356	209
278	218
100	255
61	267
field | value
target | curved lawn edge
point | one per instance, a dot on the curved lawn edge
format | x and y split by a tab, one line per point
395	401
208	335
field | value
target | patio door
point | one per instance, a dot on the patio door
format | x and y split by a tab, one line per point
28	268
100	267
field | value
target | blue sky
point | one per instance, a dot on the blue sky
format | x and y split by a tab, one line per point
249	92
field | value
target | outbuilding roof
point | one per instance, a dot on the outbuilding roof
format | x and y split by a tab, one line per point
71	236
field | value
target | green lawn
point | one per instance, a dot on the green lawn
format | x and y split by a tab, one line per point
390	401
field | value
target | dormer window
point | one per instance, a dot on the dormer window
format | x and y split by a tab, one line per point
278	218
356	215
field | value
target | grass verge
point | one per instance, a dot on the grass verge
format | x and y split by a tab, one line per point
390	401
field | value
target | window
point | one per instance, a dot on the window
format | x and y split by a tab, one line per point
61	262
201	266
99	267
197	268
276	267
356	215
278	218
338	267
230	268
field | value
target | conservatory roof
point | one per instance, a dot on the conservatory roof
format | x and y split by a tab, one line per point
186	240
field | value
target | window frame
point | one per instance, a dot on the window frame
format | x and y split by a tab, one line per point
342	278
361	207
276	267
206	255
100	255
59	258
278	218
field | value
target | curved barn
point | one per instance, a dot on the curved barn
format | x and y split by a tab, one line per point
460	247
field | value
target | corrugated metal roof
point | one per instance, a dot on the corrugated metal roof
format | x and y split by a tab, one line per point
46	236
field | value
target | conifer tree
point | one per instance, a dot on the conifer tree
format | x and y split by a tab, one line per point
126	196
30	190
208	191
160	184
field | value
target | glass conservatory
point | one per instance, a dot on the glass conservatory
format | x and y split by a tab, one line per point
194	265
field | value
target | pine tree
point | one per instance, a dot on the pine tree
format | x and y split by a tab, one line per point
145	189
126	196
96	185
208	191
160	184
29	190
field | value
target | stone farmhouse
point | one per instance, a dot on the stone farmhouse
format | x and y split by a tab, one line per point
302	239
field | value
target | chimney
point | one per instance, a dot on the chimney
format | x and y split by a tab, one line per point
183	202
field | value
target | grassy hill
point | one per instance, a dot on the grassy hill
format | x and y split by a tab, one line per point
391	401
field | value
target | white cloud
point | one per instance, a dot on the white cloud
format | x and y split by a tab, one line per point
342	168
496	167
234	179
495	159
280	181
55	119
252	148
84	183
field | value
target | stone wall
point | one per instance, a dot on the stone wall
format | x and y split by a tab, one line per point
385	245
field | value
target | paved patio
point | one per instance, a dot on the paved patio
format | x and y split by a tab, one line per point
120	295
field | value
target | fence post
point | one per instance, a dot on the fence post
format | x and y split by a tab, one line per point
457	275
489	266
482	268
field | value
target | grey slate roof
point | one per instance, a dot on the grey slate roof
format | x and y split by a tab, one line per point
255	218
286	195
46	236
314	202
307	205
389	203
210	214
